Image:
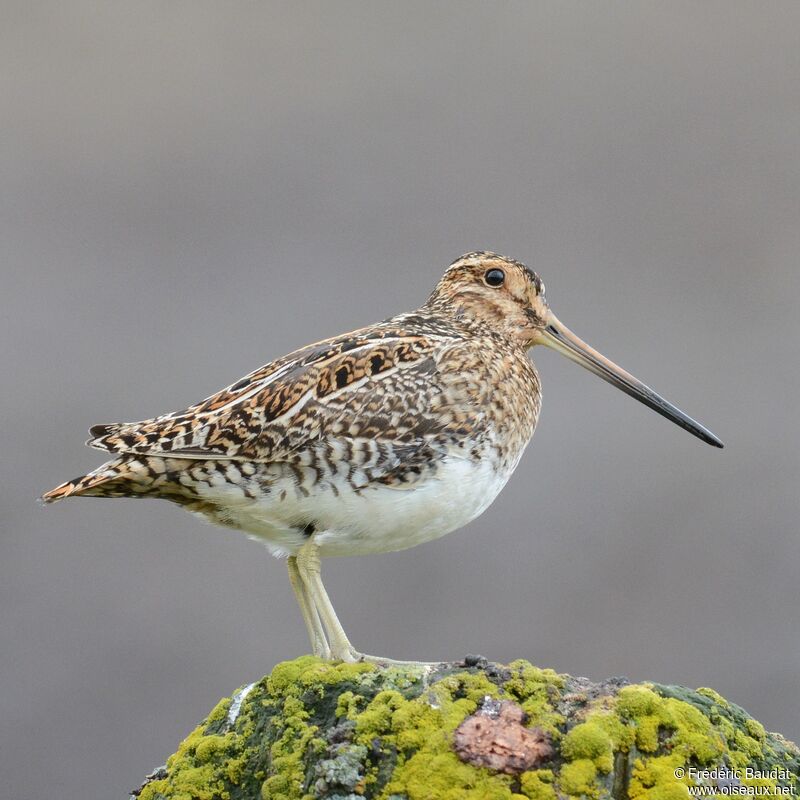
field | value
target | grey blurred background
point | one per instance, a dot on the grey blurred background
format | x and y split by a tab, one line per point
192	189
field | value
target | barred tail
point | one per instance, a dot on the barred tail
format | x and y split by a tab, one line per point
108	480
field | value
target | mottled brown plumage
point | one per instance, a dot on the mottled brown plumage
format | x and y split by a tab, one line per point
375	440
386	399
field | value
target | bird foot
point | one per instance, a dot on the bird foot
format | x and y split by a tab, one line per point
353	656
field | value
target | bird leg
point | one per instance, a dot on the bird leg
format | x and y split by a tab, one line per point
308	566
308	569
316	633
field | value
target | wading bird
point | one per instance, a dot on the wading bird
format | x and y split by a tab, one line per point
369	442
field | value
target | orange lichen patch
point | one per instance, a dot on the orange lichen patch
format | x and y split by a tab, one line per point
496	737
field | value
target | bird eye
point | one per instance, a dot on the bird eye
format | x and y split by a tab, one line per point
494	277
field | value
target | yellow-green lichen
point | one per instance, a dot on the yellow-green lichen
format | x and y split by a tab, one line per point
312	672
755	729
314	730
715	696
688	729
655	778
578	778
418	732
589	749
589	741
289	752
537	691
537	784
197	771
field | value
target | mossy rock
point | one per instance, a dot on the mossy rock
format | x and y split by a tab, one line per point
314	729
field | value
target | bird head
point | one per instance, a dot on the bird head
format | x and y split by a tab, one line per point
487	290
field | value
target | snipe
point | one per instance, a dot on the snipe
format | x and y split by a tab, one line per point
377	440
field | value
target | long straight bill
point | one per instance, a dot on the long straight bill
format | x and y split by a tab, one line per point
559	337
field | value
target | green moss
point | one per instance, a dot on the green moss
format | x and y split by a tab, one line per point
664	728
621	734
716	697
415	732
538	785
314	730
288	753
590	747
441	775
636	702
196	771
418	732
590	742
674	733
310	671
220	710
755	730
348	704
654	779
658	718
538	692
747	745
578	778
685	729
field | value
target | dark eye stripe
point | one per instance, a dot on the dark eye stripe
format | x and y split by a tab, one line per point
494	277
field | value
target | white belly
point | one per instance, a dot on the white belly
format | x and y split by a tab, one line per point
376	519
382	519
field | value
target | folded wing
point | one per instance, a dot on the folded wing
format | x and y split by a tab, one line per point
366	384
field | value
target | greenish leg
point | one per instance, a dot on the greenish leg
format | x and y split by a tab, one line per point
316	633
308	567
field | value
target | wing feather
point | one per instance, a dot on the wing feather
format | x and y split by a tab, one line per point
359	384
